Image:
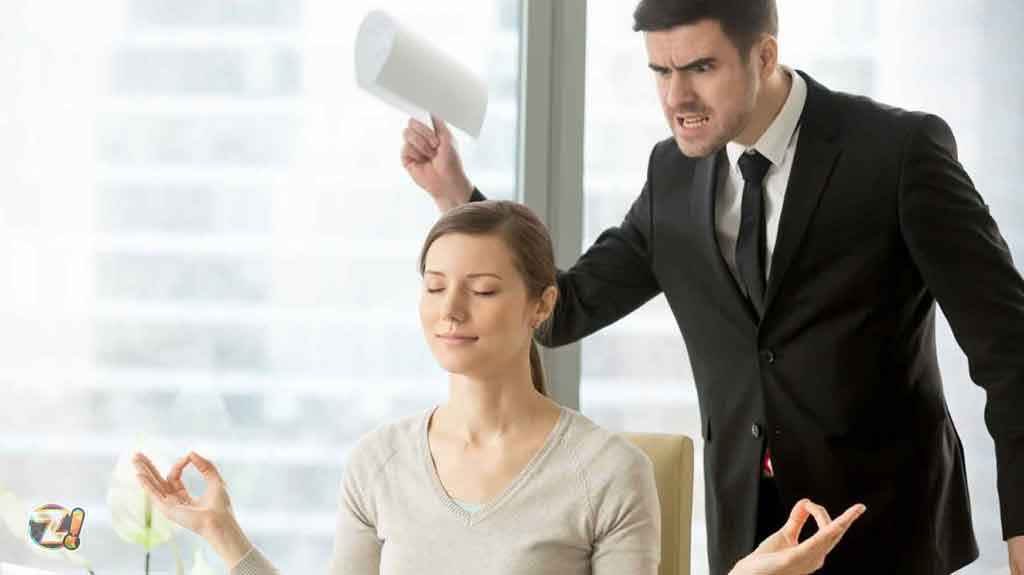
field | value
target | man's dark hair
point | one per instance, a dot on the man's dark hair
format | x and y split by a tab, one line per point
743	21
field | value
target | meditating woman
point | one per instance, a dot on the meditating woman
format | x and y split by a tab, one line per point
499	479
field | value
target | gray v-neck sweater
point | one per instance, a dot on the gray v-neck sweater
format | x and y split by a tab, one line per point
585	504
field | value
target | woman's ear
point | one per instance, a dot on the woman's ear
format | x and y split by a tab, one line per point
547	304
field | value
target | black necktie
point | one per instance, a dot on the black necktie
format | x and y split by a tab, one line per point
751	243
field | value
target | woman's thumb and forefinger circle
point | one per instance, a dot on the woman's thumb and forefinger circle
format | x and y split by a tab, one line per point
204	467
172	483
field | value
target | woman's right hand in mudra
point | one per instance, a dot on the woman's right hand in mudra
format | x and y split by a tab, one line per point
210	516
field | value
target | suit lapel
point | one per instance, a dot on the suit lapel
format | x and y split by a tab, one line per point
816	154
704	189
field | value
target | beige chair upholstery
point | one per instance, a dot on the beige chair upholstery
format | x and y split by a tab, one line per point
672	456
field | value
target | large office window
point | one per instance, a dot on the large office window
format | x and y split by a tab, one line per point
949	58
207	242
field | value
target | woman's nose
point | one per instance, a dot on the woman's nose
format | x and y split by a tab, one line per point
454	307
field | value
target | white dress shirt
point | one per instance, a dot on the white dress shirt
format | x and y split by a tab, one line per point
778	144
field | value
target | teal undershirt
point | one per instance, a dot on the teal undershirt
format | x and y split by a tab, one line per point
468	507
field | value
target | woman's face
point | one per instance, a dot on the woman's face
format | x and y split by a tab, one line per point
474	308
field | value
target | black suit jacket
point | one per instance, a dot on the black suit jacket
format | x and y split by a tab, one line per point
840	377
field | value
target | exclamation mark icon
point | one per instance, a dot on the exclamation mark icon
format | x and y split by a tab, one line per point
72	541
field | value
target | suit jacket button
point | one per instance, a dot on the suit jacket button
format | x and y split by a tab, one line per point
768	355
755	430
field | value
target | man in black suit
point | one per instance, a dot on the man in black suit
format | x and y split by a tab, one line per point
802	238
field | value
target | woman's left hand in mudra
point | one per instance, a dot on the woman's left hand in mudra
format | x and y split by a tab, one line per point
783	553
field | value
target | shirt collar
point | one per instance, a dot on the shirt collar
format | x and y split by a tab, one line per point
773	142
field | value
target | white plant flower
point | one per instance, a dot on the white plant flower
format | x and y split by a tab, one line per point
131	509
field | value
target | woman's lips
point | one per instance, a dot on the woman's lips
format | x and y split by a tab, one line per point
456	339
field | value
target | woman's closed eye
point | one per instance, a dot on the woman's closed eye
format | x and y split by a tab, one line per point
477	292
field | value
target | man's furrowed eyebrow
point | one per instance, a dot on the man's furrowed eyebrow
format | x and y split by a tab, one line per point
698	63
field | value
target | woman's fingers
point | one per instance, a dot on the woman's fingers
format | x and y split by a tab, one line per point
205	467
828	536
171	505
820	514
843	522
797	517
150	486
178	489
174	475
852	513
143	462
145	466
171	488
159	488
810	555
158	495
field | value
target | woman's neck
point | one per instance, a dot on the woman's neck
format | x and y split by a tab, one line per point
486	410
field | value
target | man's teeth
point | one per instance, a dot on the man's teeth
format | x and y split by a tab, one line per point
695	122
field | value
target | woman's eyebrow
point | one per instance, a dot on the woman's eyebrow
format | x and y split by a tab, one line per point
471	276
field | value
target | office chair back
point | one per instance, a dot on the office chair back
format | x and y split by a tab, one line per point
672	456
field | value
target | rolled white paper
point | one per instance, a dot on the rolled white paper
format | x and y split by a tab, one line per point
409	73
